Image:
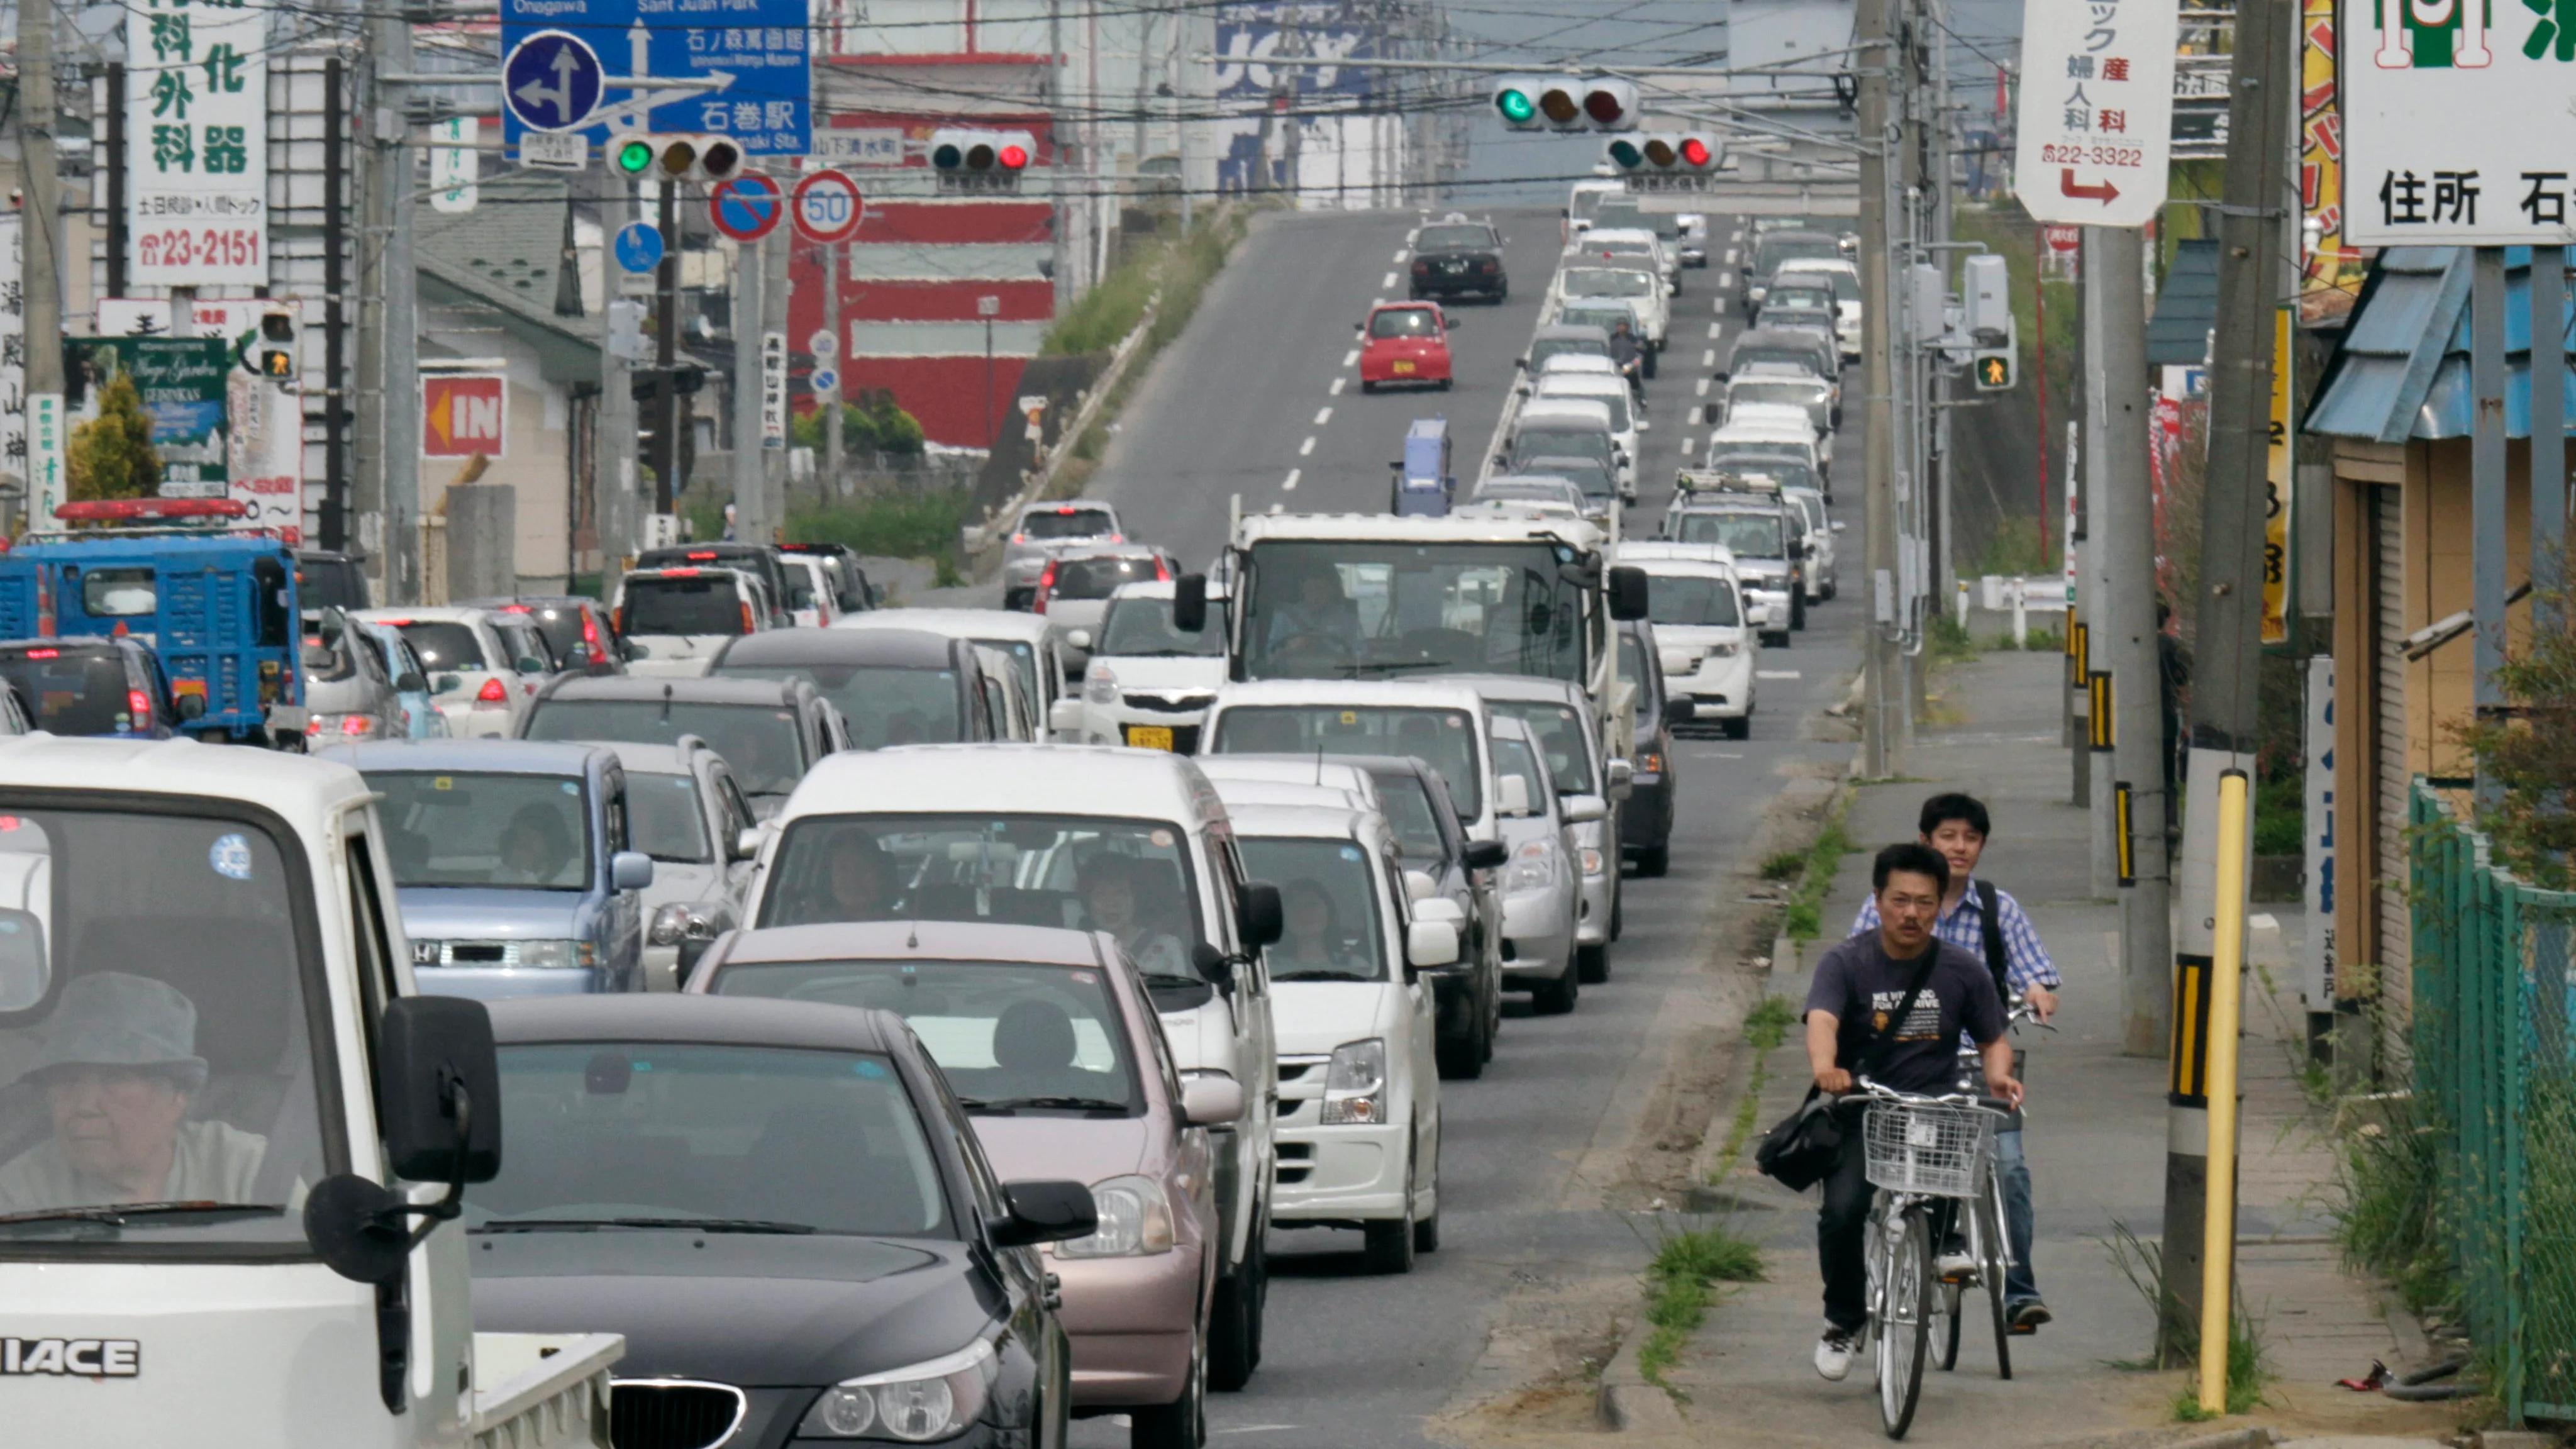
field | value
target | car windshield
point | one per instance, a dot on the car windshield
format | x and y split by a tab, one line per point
1608	282
1013	1038
1100	576
1590	476
760	741
1746	535
677	604
1024	662
1547	440
1513	757
1444	739
1605	316
1354	609
1328	900
1777	247
1691	601
1052	523
1405	799
444	646
560	628
1803	395
1453	238
1560	731
1547	347
73	691
661	1135
1404	322
1842	285
1761	453
519	832
1798	297
883	704
329	583
1130	878
1614	398
1141	628
665	818
1802	358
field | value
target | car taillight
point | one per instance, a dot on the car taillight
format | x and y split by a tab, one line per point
1162	572
313	726
139	703
493	692
44	654
1117	538
1420	266
1046	586
746	619
1019	538
590	630
357	724
1485	264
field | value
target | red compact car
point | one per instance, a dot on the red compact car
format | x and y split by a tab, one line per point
1405	342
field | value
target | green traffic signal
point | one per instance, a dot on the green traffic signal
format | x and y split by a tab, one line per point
1625	152
634	158
1515	105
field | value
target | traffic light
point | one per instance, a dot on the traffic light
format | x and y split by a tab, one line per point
1566	103
709	159
1994	369
1660	160
277	346
976	160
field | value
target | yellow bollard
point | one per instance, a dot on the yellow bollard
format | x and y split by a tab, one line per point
2226	994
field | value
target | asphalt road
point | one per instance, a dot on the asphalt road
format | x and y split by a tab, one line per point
1360	1361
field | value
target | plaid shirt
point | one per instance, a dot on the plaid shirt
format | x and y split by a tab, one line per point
2026	962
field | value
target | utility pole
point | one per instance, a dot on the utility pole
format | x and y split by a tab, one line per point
335	311
828	405
778	285
2103	473
752	519
40	230
2229	612
1883	688
666	351
388	351
614	485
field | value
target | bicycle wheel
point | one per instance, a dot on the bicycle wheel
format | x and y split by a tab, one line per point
1945	1324
1902	1336
1989	1208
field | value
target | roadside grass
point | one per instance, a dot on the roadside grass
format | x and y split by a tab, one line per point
1764	1030
1950	640
1784	865
1804	918
2249	1367
1680	1283
891	525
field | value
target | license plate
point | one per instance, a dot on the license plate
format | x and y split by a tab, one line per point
1404	367
1150	737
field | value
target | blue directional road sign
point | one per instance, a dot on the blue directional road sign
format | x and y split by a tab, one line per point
639	247
763	49
551	81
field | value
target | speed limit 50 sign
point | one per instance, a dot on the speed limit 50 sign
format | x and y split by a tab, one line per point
827	206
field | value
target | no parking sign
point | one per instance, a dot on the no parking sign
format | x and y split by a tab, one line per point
827	206
746	208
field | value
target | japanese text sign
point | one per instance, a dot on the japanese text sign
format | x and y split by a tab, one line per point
757	52
2095	138
196	142
2455	122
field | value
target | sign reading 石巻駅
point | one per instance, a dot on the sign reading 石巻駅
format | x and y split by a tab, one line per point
2456	128
2095	139
196	143
580	66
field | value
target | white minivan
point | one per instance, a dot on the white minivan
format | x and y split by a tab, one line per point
476	682
1132	842
1626	418
1359	1074
675	621
1570	427
1706	644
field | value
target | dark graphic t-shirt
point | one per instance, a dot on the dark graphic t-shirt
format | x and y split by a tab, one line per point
1861	986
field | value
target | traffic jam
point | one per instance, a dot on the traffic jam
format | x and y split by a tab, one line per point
743	1011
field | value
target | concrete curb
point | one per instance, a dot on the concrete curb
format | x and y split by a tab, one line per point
1625	1402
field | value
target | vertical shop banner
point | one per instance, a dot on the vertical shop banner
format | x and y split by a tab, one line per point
2317	960
2329	261
2276	490
196	142
264	418
13	354
185	390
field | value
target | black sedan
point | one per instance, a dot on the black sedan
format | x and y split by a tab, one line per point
781	1207
1455	257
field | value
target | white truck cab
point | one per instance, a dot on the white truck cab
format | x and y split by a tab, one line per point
275	1257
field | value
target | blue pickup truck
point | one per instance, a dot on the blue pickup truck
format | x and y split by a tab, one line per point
219	610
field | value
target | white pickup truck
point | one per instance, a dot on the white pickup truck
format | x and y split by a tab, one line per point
269	1251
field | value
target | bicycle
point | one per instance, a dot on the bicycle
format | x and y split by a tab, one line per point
1926	1155
1988	1237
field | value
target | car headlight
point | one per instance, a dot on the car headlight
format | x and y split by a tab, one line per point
555	955
1100	686
1533	868
1355	1084
1135	1221
914	1405
1591	861
670	925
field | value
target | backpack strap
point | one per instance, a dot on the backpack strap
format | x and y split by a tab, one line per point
1879	1036
1990	923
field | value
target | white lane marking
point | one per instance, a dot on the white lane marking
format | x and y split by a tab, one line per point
1389	282
1400	254
1714	329
1413	232
1775	674
1323	416
1703	387
1306	448
1278	507
1730	256
1337	385
1707	359
1736	235
1714	755
1686	447
1351	358
1381	301
1255	1429
1291	485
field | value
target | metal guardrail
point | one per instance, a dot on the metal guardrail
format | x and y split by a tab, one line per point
2494	1036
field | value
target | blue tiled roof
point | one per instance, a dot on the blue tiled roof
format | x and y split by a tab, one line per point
2402	369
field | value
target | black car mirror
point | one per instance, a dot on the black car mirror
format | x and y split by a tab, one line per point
409	682
1044	1210
1189	603
438	1093
1680	711
1487	854
1628	597
1211	964
1258	914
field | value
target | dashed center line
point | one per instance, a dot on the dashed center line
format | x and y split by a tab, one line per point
1707	359
1686	447
1337	385
1291	485
1352	358
1703	387
1323	416
1306	448
1714	328
1775	674
1389	283
1400	254
1730	256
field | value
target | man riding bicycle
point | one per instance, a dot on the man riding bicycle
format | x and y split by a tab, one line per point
1890	1005
1979	917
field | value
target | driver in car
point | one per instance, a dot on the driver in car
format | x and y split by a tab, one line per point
1320	610
1312	942
118	1068
1109	901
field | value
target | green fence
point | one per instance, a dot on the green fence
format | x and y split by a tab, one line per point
2493	982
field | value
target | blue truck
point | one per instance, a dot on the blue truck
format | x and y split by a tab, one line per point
1424	484
218	609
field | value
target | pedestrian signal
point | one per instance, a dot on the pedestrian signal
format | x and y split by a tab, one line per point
1994	371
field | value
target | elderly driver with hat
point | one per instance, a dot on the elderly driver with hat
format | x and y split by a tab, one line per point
118	1066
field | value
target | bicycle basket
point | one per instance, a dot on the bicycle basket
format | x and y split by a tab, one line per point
1934	1151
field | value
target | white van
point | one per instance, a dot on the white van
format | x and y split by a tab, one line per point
675	621
1134	842
1626	418
1571	427
1359	1076
1437	721
1707	645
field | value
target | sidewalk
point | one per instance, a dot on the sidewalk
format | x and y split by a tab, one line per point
2096	1142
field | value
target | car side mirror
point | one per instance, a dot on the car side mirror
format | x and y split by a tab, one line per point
1623	779
449	684
1430	943
637	651
1520	362
1079	638
531	664
1258	913
1189	603
1644	426
1064	717
438	1093
1419	886
1512	795
746	842
1487	854
1628	595
191	706
410	683
1680	711
1044	1210
630	870
1211	1099
1837	525
1214	966
1583	809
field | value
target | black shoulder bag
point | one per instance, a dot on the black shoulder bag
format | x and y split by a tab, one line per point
1801	1149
